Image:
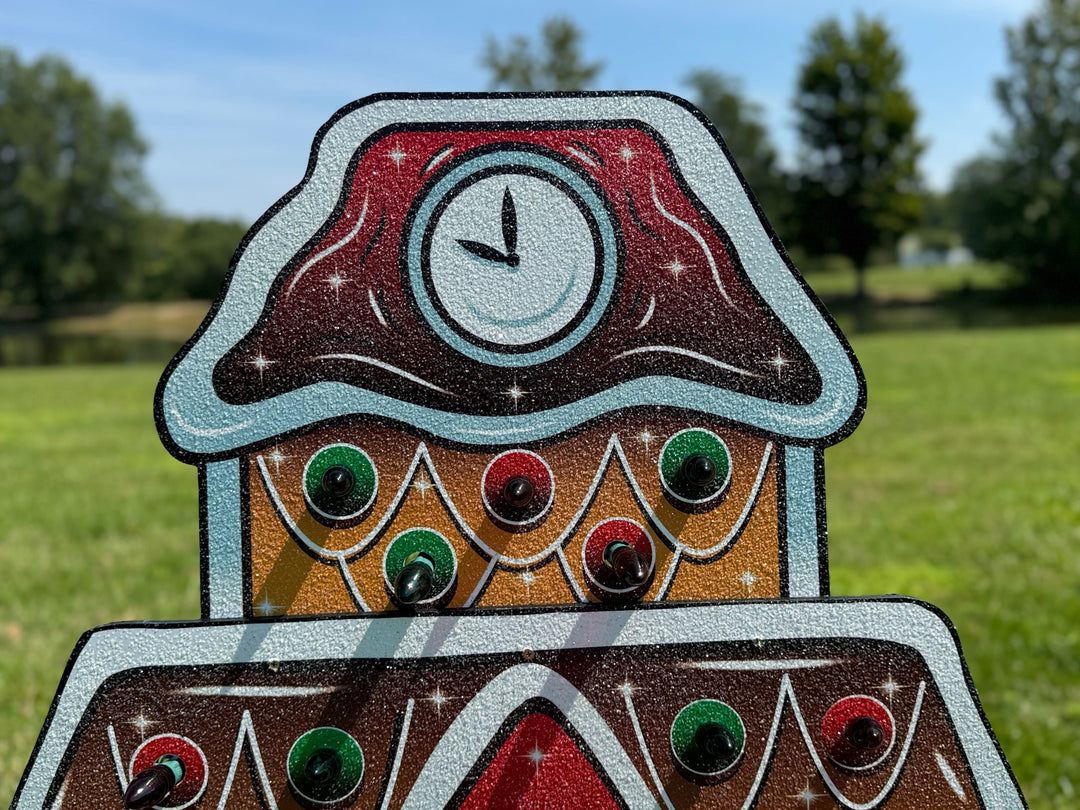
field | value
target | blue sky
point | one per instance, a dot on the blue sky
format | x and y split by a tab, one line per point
230	94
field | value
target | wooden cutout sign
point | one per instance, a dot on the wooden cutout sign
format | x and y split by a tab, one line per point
494	409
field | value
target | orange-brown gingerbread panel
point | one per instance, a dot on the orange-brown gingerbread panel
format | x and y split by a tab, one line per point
303	562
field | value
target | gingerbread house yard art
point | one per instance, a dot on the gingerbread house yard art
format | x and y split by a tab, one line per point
509	424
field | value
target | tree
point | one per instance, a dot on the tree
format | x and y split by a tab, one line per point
70	186
739	121
556	65
858	182
1022	202
184	258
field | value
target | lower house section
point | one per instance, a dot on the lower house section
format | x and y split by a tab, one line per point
815	704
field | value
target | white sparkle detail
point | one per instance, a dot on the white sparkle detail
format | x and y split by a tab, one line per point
626	688
748	579
142	722
675	267
438	700
397	155
515	393
261	363
536	755
422	485
645	436
527	578
277	457
266	606
890	687
807	796
626	153
335	281
779	362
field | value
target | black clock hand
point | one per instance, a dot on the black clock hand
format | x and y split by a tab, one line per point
510	228
484	251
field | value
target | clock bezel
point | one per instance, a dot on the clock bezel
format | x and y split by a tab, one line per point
519	159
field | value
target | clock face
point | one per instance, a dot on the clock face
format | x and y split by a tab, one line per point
512	257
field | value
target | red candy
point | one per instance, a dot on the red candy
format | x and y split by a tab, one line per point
193	784
858	732
508	476
600	575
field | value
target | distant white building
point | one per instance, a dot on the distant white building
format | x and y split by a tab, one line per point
913	251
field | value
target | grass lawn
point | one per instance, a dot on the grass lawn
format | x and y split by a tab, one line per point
961	487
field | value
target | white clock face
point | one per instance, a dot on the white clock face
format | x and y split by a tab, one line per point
521	286
515	257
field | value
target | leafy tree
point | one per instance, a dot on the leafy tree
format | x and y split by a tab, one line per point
1022	202
556	64
70	186
184	258
740	123
858	182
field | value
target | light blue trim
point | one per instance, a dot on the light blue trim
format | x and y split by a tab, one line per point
199	422
509	159
224	540
327	400
800	489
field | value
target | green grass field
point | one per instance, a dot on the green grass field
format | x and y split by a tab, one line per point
961	487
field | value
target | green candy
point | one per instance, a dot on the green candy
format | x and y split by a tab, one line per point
325	765
682	446
430	543
707	737
359	498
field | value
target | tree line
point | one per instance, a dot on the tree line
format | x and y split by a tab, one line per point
855	187
79	222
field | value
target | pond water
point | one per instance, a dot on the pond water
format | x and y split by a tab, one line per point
38	346
859	320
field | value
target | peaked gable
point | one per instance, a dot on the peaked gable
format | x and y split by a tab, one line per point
503	269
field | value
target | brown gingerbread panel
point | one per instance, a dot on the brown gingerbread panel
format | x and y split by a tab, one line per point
406	716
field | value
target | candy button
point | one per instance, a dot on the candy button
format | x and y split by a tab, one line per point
707	738
695	467
518	490
617	558
419	567
340	483
857	732
325	765
156	762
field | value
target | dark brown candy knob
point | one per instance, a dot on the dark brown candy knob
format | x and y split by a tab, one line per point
323	767
414	582
517	489
712	749
857	732
518	492
338	481
864	733
699	469
629	565
153	786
